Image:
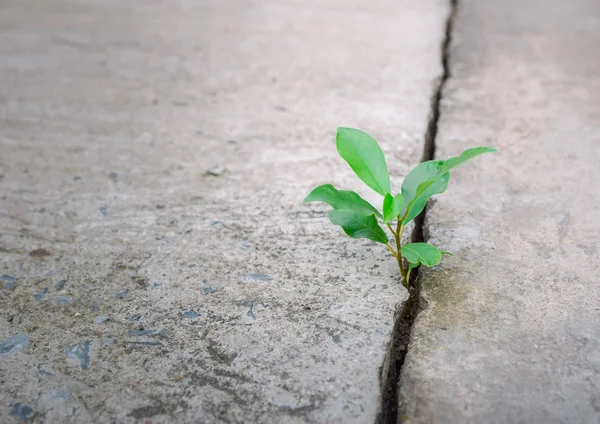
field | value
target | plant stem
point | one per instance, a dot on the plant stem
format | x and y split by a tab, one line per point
392	250
391	229
398	236
398	253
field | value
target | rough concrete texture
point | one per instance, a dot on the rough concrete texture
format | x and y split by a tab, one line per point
157	263
511	333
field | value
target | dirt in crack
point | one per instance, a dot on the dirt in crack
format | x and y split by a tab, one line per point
396	355
392	369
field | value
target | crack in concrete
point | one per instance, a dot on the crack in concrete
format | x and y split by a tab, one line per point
391	370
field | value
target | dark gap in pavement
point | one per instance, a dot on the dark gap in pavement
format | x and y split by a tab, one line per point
391	371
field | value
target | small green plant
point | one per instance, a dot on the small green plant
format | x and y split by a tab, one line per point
359	219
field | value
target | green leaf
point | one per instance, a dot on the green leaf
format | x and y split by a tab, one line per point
423	253
416	199
341	200
437	183
446	253
413	265
392	206
358	226
465	156
365	157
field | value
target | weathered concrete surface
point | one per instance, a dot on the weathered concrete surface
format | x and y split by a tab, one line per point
512	329
111	113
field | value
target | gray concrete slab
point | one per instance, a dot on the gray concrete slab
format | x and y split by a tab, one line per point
512	329
157	262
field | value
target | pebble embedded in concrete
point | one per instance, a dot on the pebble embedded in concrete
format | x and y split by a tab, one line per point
80	353
21	411
60	285
191	314
259	276
14	343
101	318
39	296
64	300
121	293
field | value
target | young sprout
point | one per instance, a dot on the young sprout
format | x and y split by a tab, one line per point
359	219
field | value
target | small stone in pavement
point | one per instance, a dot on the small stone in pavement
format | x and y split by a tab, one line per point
250	307
7	277
121	293
62	394
259	277
44	372
215	170
60	285
64	300
100	319
191	314
21	411
80	352
40	295
14	343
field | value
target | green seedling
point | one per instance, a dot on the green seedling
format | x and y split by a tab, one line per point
359	219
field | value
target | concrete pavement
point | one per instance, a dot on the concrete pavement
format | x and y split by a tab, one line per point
511	333
157	263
